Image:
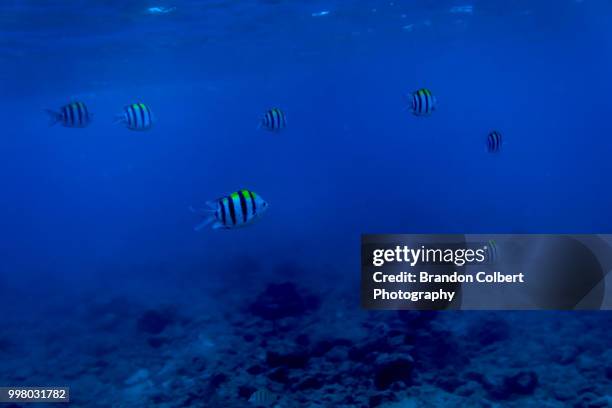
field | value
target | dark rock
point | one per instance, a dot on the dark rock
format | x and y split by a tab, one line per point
282	300
322	347
369	351
448	383
417	320
281	328
279	375
294	359
467	389
600	402
337	355
395	341
198	364
189	397
589	400
522	383
609	372
246	391
376	400
398	386
490	331
248	337
411	338
343	342
161	398
310	383
563	393
255	370
302	340
566	355
390	369
217	379
154	321
396	333
183	370
445	352
519	384
587	388
475	376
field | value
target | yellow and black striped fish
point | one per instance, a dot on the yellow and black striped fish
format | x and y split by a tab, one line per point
274	120
233	211
494	141
73	115
136	116
422	102
262	398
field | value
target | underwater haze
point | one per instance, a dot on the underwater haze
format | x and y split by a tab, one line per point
105	287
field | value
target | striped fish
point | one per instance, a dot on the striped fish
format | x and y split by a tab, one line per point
233	211
72	115
274	120
136	116
422	102
494	142
262	398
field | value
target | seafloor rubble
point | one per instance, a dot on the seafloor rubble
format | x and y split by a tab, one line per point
311	349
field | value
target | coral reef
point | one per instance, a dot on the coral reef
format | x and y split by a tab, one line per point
313	351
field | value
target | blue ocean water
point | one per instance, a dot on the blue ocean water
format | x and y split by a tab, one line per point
97	230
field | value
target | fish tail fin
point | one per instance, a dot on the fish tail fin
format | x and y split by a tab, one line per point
204	223
206	213
211	207
54	117
119	118
407	102
199	211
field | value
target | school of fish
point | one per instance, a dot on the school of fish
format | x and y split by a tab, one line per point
242	207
